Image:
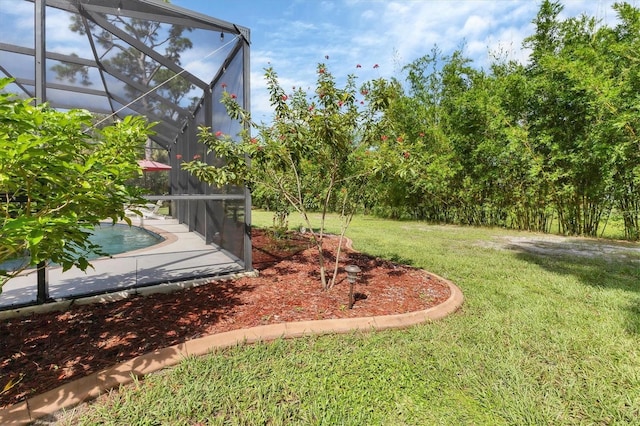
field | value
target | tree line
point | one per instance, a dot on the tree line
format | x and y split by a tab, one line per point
550	145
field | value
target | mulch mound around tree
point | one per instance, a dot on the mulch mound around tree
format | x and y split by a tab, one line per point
43	351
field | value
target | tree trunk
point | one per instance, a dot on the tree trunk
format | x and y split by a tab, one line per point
323	275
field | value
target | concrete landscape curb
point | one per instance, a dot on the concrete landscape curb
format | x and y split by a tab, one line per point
89	387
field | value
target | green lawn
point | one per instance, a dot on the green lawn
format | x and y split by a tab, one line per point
541	339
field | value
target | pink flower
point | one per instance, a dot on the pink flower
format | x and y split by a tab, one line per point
399	139
321	71
254	141
421	134
311	108
234	96
384	137
358	66
224	85
178	156
376	66
364	92
284	97
218	134
361	102
406	154
340	103
197	157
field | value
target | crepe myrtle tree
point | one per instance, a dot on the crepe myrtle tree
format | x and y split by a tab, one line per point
309	155
59	177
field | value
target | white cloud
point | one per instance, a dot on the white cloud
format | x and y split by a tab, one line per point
368	14
58	33
327	6
261	110
17	22
476	26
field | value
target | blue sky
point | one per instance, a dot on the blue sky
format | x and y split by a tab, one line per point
295	35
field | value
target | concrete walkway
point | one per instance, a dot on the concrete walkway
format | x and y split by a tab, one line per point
46	405
182	255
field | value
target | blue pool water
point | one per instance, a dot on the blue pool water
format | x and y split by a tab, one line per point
118	238
114	239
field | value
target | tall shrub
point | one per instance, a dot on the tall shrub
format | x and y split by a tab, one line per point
58	179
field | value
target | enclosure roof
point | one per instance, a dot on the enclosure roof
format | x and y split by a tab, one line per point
117	57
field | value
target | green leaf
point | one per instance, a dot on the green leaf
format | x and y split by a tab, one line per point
35	237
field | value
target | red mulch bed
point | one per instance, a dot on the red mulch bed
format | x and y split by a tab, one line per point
41	352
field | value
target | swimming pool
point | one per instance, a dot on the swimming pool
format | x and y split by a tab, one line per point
112	238
120	238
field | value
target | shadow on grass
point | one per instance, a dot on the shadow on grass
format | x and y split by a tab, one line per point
396	258
588	262
593	263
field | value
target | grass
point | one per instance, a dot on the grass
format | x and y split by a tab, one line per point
540	340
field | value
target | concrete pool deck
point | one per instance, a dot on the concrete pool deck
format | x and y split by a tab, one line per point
183	255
